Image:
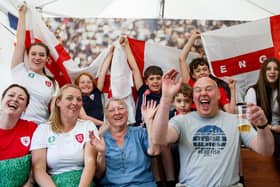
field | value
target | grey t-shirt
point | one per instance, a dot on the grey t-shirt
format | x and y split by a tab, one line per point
209	149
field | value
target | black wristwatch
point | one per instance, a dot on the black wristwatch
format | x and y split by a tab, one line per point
263	126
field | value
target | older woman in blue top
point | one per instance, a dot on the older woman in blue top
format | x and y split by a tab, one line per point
128	149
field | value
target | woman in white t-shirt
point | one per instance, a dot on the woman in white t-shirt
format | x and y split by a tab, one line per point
265	93
61	152
32	74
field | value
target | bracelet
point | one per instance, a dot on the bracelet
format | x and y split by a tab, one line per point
262	126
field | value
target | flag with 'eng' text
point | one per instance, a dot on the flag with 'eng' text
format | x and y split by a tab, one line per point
238	51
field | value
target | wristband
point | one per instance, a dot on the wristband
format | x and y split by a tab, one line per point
262	126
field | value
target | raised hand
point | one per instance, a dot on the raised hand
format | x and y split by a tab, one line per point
148	110
123	41
170	85
195	34
22	9
256	115
97	142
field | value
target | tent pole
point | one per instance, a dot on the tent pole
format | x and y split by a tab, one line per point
161	10
260	7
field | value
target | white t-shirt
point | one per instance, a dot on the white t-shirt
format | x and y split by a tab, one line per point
41	90
209	148
65	151
252	98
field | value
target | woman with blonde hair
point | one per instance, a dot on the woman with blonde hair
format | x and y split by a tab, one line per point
61	152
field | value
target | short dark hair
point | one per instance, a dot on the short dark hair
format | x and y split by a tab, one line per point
152	70
39	44
19	86
197	62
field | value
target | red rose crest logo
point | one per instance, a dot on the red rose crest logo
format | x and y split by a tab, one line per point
79	137
48	83
25	140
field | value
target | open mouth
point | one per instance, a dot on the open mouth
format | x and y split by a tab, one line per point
12	106
204	103
272	77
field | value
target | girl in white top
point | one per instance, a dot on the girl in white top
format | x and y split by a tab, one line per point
61	151
32	74
265	93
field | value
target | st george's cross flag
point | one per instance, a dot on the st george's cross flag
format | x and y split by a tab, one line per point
120	82
238	51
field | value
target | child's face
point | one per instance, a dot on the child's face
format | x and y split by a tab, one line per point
200	71
154	83
182	103
85	84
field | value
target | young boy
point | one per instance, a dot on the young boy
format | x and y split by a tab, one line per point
151	89
198	68
182	101
183	104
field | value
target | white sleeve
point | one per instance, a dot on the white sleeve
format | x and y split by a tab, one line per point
39	139
91	127
17	71
250	96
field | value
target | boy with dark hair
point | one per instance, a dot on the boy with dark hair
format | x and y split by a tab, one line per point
150	88
198	62
198	68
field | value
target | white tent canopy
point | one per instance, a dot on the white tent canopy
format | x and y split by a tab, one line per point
175	9
221	9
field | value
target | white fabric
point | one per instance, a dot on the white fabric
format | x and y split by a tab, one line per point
251	97
41	90
209	149
275	108
6	52
121	75
65	151
238	40
179	9
163	56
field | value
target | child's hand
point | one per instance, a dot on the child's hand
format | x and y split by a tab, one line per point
123	41
195	34
148	110
22	9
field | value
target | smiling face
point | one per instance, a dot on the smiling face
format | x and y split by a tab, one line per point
116	114
200	71
70	103
272	72
154	83
37	58
206	96
14	101
85	84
